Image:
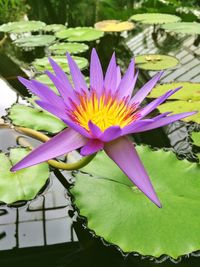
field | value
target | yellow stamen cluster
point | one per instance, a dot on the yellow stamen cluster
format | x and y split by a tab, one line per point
105	111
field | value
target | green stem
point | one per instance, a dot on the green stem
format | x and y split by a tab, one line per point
54	163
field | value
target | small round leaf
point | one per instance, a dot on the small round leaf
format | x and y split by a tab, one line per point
114	26
155	18
72	48
35	40
183	27
22	26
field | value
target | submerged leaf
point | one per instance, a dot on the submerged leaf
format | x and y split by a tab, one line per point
21	185
80	34
155	62
22	115
155	18
22	26
119	213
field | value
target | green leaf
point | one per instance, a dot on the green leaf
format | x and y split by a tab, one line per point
42	64
196	138
183	27
114	26
155	18
80	34
54	27
182	106
22	26
189	91
72	48
155	62
21	185
22	115
35	40
119	213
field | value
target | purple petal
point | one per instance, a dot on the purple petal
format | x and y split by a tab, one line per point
161	115
123	153
92	146
135	125
60	74
65	89
118	75
163	121
110	134
60	113
96	73
77	77
43	92
94	129
127	83
146	89
60	144
110	82
76	127
155	103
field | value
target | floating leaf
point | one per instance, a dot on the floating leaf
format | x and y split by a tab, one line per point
21	185
54	27
114	26
189	91
183	27
155	62
35	40
72	48
22	26
182	106
122	215
42	64
196	138
155	18
80	34
22	115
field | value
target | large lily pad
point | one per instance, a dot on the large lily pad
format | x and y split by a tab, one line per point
114	26
21	185
22	26
80	34
22	115
119	213
42	64
155	62
72	48
35	40
183	27
155	18
189	91
182	106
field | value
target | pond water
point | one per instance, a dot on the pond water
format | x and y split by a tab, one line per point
45	231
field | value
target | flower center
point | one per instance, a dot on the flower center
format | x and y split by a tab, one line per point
105	111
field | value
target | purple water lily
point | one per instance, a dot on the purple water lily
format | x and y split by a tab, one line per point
99	117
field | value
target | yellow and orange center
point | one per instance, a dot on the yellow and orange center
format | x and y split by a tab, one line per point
105	111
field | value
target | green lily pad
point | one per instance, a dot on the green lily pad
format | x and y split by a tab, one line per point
22	115
42	64
119	213
183	27
155	62
35	40
114	26
196	138
189	91
54	27
182	106
21	185
80	34
155	18
72	48
22	26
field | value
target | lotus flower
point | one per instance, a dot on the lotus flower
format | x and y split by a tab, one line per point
99	117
